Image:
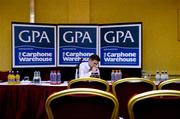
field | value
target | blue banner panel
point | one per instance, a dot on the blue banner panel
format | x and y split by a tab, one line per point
34	45
76	42
120	46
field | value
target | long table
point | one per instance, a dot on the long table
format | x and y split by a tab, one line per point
26	100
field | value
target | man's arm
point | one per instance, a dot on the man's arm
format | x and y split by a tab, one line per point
84	70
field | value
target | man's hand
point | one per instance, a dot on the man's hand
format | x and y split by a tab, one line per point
94	69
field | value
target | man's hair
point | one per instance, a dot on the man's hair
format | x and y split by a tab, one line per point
94	57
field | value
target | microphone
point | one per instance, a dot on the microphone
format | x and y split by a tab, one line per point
80	61
77	68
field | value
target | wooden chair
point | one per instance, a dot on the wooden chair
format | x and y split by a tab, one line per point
157	104
126	88
89	82
82	103
173	84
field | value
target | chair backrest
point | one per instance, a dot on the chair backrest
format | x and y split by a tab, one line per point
173	84
82	103
157	104
89	82
3	75
126	88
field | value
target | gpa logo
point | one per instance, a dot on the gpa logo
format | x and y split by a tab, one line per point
122	36
118	36
77	37
32	36
81	36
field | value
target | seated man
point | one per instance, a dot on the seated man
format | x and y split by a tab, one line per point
87	69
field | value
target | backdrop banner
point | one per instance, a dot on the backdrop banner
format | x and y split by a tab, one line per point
34	45
76	42
120	45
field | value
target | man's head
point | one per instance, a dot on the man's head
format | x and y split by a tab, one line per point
94	60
